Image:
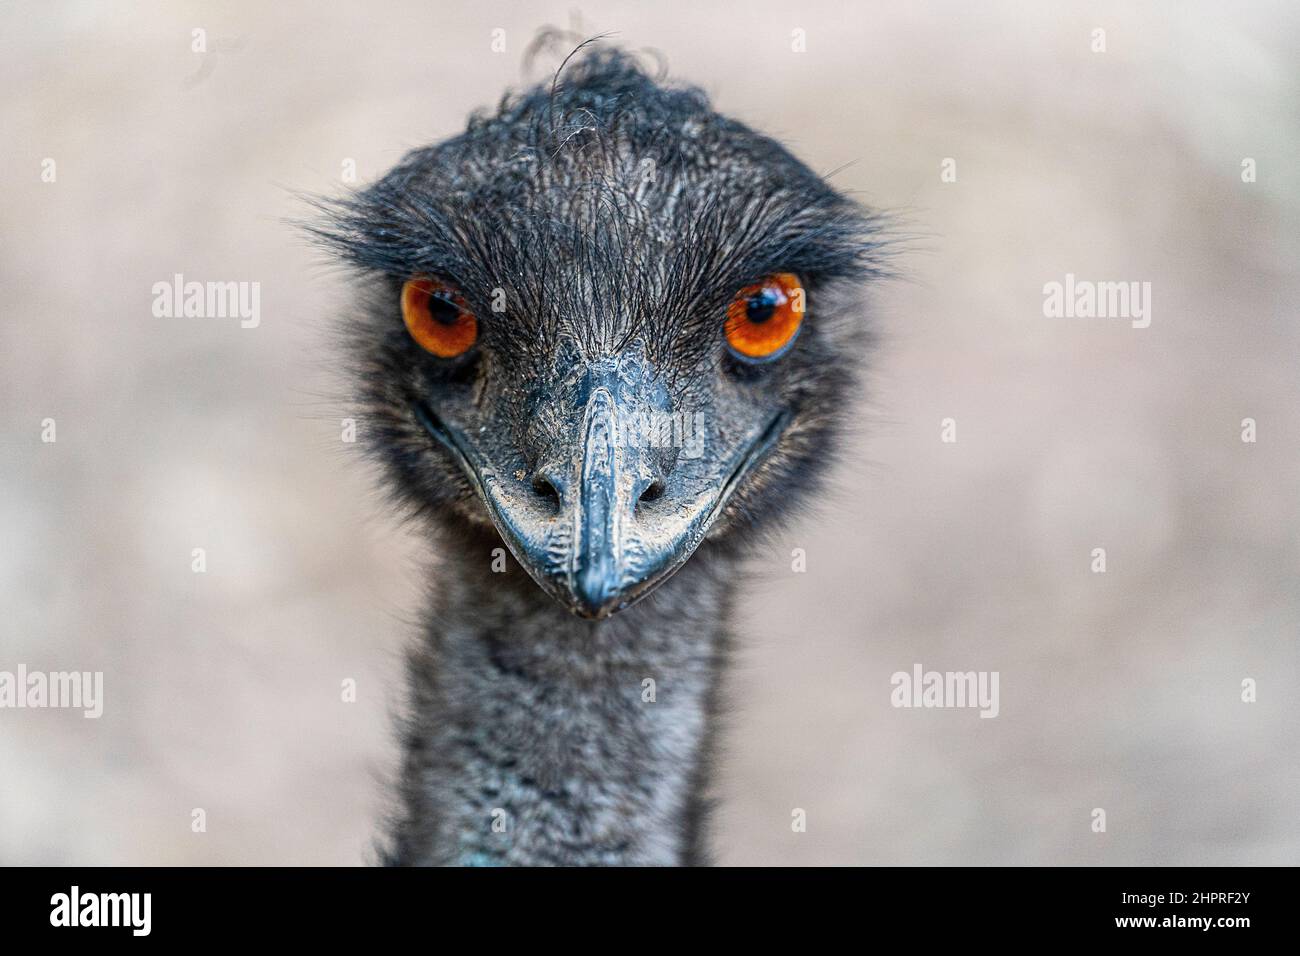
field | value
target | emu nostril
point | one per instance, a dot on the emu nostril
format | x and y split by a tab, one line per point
546	489
653	492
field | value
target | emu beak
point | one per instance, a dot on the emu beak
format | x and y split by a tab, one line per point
623	516
612	477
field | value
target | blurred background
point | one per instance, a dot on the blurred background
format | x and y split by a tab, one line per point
1119	691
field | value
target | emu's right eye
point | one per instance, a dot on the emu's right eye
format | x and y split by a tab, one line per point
438	317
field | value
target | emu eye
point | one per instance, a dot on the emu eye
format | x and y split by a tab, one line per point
763	319
438	317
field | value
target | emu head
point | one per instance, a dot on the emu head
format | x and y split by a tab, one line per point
608	322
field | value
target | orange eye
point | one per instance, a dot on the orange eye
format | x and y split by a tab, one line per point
763	319
438	317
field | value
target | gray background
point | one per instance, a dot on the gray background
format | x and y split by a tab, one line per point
1119	691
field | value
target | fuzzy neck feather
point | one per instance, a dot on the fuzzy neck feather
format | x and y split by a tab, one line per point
536	738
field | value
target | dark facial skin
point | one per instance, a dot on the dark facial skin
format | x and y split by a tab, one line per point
598	230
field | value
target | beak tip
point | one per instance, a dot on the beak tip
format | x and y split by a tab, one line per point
596	597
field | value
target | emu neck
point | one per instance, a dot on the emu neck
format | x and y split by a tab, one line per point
538	738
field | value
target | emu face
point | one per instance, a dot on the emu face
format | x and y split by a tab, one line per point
608	321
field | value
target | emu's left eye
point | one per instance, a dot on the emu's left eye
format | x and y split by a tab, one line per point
438	317
763	319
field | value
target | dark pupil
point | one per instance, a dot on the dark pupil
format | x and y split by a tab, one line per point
760	307
443	310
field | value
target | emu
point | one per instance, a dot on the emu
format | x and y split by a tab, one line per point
603	248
